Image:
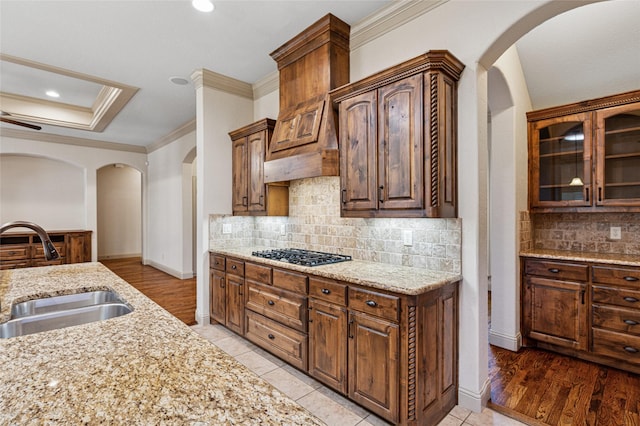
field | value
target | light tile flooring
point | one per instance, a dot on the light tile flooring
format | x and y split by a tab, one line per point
330	407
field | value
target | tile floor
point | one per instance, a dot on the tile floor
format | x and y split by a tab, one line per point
330	407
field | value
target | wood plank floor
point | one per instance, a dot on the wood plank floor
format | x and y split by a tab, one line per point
175	295
543	388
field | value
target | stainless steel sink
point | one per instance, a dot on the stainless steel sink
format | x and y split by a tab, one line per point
61	303
61	318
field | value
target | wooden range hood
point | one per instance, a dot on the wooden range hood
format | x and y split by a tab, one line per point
304	142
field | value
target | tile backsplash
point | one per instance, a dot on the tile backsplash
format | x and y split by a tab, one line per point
314	223
589	232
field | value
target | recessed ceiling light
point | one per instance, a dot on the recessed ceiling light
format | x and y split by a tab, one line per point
52	94
202	5
179	81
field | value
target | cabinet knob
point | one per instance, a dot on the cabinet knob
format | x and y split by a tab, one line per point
630	322
631	349
630	299
371	303
270	303
325	291
554	270
271	336
234	267
631	279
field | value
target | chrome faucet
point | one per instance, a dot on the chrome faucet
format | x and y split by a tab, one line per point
50	251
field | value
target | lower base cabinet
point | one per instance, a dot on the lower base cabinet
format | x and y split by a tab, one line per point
394	354
24	249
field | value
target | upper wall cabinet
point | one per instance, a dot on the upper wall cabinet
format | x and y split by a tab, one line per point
586	156
397	136
250	195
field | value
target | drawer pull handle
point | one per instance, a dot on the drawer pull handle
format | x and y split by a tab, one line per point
271	303
554	270
349	331
630	322
631	279
325	291
630	299
631	349
371	303
271	336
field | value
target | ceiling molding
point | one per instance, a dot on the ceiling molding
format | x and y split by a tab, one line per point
111	99
205	78
70	140
264	86
388	18
186	128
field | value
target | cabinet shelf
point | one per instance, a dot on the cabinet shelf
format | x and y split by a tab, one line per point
562	154
561	185
627	155
625	130
621	184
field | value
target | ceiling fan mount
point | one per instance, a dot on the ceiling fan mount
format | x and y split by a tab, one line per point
4	117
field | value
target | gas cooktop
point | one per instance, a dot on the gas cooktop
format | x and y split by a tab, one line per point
301	257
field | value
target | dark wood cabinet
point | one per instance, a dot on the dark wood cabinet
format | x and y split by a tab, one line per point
397	133
218	296
235	303
250	194
395	354
24	249
226	292
583	309
584	156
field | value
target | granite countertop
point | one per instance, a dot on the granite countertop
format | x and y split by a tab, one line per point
581	256
399	279
146	367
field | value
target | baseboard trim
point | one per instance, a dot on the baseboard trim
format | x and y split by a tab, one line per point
202	318
170	271
472	400
505	341
120	256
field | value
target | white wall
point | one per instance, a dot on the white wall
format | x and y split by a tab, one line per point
89	160
47	192
167	242
119	212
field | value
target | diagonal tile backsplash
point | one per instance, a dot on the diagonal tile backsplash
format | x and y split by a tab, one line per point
314	223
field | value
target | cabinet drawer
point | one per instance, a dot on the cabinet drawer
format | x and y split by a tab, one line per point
280	305
328	290
217	262
14	252
291	281
16	264
374	303
39	251
281	341
617	345
235	267
259	273
621	276
616	296
619	319
559	270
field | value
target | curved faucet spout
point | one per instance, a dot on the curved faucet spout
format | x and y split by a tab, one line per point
50	251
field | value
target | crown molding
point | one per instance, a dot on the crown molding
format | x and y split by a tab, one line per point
264	86
186	128
70	140
205	78
388	18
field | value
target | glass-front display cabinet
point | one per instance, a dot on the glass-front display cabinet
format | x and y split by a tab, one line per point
586	156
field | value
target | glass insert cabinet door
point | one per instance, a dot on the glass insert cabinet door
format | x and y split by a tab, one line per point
560	161
618	156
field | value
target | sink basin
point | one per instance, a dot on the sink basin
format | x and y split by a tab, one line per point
60	303
37	323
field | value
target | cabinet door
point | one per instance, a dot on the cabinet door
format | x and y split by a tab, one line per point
560	161
328	344
217	296
555	312
400	145
373	364
235	303
618	156
78	247
256	148
240	194
358	152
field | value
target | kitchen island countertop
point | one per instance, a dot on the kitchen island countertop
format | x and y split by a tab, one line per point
399	279
146	367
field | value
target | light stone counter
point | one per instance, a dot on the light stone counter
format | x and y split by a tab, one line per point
580	256
399	279
146	367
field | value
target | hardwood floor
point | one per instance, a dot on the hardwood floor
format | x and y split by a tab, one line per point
175	295
543	388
